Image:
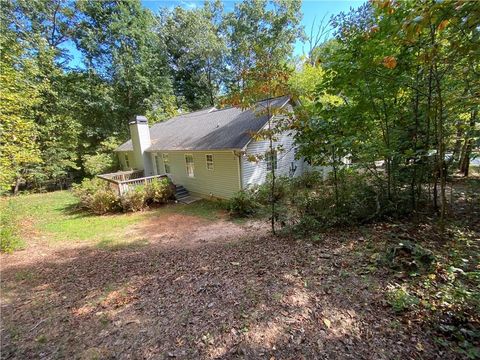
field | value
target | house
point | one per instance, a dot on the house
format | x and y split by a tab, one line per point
207	151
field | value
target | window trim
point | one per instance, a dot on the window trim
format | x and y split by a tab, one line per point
207	162
127	161
192	164
167	163
270	162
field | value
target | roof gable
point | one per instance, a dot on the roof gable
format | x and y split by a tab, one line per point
208	129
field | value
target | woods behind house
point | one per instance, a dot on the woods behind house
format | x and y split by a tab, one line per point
395	87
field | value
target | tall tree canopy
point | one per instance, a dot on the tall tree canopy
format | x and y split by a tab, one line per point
259	26
131	61
407	81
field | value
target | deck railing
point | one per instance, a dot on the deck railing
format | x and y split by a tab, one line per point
122	175
124	181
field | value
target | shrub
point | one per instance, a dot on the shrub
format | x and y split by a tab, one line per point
314	204
309	180
263	193
400	299
134	200
9	239
96	196
408	256
160	191
243	204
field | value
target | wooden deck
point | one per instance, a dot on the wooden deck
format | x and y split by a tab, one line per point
123	181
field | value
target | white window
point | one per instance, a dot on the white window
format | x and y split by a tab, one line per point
127	163
166	163
190	165
271	159
209	161
158	164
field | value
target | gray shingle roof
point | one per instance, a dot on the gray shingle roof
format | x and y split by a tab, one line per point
209	129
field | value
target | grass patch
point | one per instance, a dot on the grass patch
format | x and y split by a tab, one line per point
10	239
56	217
210	210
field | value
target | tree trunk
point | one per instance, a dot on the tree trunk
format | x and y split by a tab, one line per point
441	150
17	186
272	189
468	145
335	178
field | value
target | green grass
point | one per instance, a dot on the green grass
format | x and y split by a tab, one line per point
55	217
10	239
209	210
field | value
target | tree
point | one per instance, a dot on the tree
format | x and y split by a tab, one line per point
196	53
120	47
42	28
262	41
18	133
254	25
396	67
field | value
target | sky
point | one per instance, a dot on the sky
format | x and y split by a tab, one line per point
313	13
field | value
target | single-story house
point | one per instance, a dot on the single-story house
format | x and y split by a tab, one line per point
207	151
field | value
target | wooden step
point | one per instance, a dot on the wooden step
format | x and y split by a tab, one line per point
181	192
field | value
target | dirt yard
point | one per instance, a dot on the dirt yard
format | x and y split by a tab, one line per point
191	288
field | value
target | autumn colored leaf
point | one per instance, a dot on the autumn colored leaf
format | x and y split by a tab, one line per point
390	62
443	25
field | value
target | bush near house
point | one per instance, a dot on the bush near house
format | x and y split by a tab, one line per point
97	197
160	191
243	204
311	202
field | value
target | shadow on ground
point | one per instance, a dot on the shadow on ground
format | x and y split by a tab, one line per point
257	297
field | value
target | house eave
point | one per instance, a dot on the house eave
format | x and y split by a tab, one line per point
244	148
187	149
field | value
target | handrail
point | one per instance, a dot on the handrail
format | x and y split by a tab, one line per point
123	186
143	178
123	175
108	179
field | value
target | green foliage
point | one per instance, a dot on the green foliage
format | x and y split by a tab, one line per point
388	87
9	227
315	204
257	28
96	196
104	161
264	193
19	150
400	299
407	256
309	180
98	163
243	204
134	200
160	191
196	50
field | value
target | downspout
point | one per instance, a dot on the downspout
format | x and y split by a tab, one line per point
238	154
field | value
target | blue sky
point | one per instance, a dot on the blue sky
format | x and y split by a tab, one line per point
313	12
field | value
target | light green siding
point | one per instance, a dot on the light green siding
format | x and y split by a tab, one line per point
131	160
223	181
